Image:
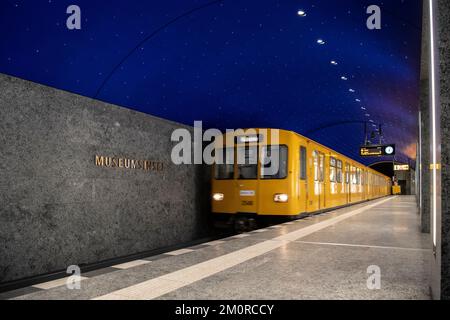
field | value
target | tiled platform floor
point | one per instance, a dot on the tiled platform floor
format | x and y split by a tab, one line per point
320	257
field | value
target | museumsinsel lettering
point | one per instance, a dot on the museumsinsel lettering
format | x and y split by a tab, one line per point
125	163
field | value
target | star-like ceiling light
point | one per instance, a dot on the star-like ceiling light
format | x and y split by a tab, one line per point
357	100
320	41
352	90
301	13
334	63
344	78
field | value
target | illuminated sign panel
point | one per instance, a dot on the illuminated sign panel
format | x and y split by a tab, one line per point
249	139
377	151
401	167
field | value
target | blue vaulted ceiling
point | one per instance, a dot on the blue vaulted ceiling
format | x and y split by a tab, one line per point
231	63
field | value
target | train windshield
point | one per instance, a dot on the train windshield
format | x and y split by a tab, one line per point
274	162
224	168
247	158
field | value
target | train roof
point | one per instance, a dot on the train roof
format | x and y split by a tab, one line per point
323	146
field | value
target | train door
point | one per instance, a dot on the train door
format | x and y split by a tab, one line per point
365	185
313	185
322	194
347	183
316	187
353	188
361	183
304	192
247	179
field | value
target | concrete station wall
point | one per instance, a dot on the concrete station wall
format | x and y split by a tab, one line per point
58	208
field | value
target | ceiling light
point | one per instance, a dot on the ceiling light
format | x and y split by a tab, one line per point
320	41
334	63
357	100
351	90
301	13
435	134
344	78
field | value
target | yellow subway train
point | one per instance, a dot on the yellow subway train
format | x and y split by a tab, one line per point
309	178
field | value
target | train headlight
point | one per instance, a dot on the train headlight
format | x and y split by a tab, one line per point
218	196
282	197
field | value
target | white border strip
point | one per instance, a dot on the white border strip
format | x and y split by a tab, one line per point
361	246
433	115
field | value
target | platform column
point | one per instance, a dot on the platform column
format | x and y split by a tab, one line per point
439	19
444	49
424	127
424	159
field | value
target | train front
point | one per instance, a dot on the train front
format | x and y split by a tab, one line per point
251	175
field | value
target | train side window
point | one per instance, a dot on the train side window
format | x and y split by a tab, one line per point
353	175
347	173
339	171
358	176
316	165
224	169
303	163
333	169
321	166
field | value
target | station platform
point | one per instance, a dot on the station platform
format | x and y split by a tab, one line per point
326	256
